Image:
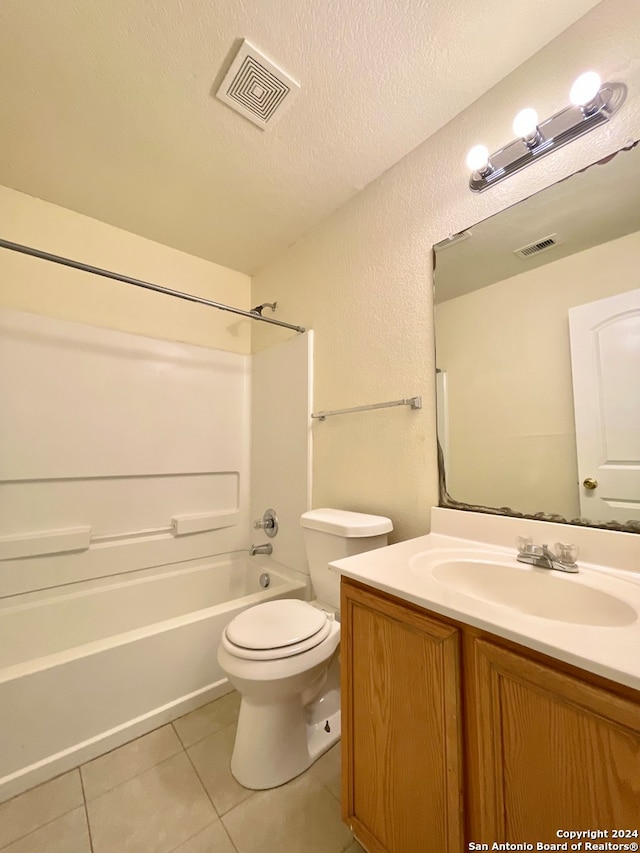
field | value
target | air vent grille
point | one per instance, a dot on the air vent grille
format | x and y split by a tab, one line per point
539	246
255	87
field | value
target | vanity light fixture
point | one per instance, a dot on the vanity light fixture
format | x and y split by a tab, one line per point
592	104
478	160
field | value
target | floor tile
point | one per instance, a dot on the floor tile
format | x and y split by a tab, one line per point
327	770
153	813
39	806
299	817
213	839
211	758
106	772
209	719
66	834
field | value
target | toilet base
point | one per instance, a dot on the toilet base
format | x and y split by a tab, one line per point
320	739
277	741
278	749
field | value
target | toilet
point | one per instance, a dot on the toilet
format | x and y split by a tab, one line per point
283	658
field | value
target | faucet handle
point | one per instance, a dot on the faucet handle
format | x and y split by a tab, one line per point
566	553
524	544
268	523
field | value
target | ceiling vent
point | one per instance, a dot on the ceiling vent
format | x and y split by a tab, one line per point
537	247
256	88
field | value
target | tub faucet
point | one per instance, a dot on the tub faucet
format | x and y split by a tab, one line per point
563	560
267	548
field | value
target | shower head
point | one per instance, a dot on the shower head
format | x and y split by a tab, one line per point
259	308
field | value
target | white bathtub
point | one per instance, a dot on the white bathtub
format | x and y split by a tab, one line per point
83	670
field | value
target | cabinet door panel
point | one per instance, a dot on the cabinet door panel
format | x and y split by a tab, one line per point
552	751
401	719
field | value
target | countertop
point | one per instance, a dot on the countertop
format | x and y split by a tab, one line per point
611	652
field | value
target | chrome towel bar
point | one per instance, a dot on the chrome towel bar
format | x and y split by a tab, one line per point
414	402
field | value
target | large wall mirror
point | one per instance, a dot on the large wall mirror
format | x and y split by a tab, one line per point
538	354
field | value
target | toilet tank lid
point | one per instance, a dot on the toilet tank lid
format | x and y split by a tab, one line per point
341	522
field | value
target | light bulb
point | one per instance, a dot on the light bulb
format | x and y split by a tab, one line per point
585	89
478	158
525	124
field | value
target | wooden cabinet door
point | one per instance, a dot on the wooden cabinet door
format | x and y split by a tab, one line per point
401	787
547	751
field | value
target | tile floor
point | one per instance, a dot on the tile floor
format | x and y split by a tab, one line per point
171	791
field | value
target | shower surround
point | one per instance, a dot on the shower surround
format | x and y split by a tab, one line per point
125	506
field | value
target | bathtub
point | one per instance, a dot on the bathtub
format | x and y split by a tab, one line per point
87	667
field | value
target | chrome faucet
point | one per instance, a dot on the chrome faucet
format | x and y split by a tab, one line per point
267	548
563	560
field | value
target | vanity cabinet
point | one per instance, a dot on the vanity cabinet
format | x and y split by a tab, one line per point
547	749
401	725
452	735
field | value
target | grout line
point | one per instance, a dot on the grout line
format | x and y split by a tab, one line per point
209	733
135	776
228	836
175	731
140	772
195	835
219	820
39	785
38	828
127	743
204	787
228	811
337	799
78	769
47	822
313	772
86	811
200	739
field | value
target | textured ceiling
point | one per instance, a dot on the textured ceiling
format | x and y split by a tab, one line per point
108	106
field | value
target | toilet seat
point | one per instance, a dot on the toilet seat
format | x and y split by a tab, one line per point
276	629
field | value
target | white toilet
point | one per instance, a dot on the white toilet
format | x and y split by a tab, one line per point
282	656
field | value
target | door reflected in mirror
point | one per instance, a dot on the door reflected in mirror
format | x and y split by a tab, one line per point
538	353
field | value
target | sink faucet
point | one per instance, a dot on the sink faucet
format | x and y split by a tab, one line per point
267	548
563	560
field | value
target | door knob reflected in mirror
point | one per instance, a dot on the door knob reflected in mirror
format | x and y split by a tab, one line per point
590	483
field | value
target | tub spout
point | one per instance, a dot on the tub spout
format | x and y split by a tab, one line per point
261	549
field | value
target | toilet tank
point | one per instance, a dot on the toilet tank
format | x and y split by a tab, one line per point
330	534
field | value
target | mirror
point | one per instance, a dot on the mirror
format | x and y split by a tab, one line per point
538	354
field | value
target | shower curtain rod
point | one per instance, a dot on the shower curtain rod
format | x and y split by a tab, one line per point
125	279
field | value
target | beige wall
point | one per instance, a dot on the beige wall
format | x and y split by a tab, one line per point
32	285
506	352
362	279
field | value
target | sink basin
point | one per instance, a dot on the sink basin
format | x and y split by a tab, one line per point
536	592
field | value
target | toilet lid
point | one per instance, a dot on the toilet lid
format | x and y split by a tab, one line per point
282	652
275	624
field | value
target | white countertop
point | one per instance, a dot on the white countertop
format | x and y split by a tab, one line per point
612	652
